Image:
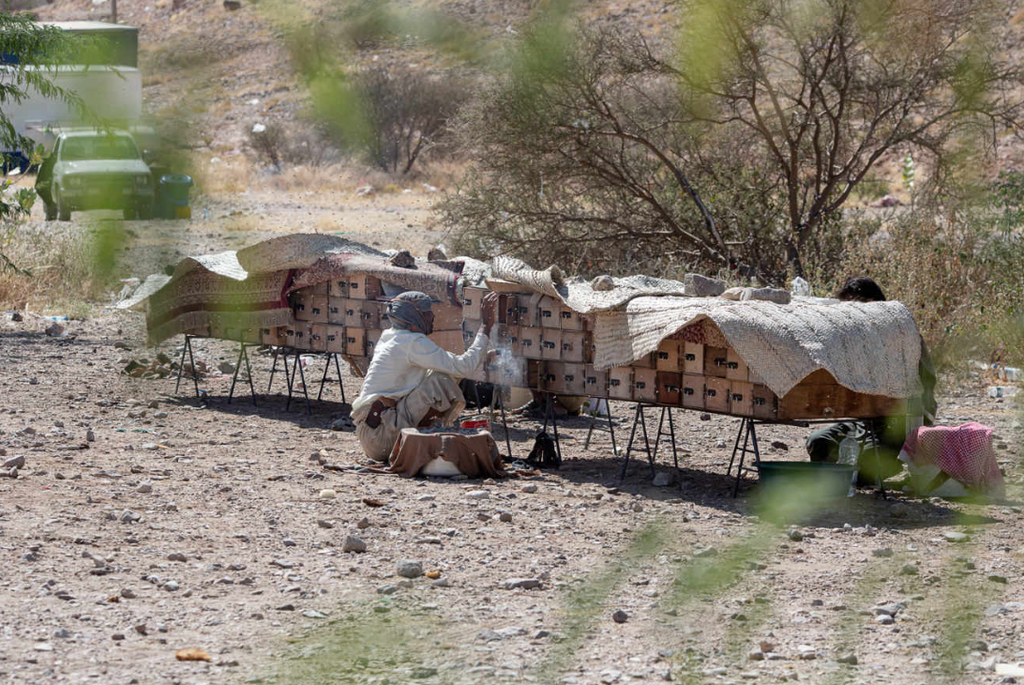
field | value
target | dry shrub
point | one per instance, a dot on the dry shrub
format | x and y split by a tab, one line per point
60	267
958	275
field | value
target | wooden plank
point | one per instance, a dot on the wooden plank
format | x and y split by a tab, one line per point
574	379
693	358
318	336
363	287
530	342
551	344
596	382
472	299
670	388
335	338
736	368
716	360
667	356
693	391
807	401
766	404
355	342
741	398
716	394
573	346
620	382
645	385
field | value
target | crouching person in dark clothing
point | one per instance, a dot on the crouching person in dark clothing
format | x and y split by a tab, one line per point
887	433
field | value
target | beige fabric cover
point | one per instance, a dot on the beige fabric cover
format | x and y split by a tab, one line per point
872	348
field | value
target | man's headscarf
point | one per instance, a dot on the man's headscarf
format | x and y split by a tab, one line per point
406	312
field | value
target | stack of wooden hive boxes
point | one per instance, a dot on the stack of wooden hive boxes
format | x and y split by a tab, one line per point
347	316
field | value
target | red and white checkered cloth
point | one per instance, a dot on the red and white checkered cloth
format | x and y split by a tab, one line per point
963	452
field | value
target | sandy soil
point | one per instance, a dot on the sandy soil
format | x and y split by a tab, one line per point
183	525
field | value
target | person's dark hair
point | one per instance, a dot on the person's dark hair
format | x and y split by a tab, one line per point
860	289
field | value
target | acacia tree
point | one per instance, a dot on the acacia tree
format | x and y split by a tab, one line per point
737	151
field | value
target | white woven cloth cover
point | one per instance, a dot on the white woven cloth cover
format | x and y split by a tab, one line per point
871	348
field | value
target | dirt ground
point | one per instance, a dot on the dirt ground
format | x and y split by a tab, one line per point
144	523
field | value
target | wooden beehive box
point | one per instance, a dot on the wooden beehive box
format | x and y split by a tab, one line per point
620	382
693	358
716	394
576	346
363	287
472	301
667	356
274	335
530	342
355	342
669	387
334	339
551	344
318	337
372	338
693	391
596	383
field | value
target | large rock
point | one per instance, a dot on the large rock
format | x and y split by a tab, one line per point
702	286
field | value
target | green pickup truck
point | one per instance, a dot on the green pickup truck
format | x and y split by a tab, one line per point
91	169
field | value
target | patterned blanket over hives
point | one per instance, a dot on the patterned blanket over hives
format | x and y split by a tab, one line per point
249	288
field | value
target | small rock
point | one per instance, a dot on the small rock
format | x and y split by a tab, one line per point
780	445
171	586
662	479
620	616
850	659
408	568
795	535
885	620
524	583
899	510
953	536
354	544
908	570
505	517
176	556
756	655
387	589
55	330
128	593
705	552
998	579
478	494
144	488
328	494
324	524
529	488
883	552
226	368
17	462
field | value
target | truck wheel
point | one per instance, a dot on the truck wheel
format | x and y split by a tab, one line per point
49	211
63	211
129	213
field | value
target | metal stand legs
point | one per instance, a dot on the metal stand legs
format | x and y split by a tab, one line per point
181	366
749	437
242	354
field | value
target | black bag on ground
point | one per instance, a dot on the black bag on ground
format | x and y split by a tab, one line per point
478	395
544	454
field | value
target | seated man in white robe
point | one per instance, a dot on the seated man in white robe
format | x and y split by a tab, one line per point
412	382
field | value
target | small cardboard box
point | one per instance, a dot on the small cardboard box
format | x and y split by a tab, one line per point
693	358
693	391
530	342
596	383
355	342
335	339
620	382
667	355
741	398
318	309
645	385
337	289
574	377
574	347
318	337
363	287
736	368
765	403
716	361
670	388
716	394
551	344
372	338
472	301
274	335
553	377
